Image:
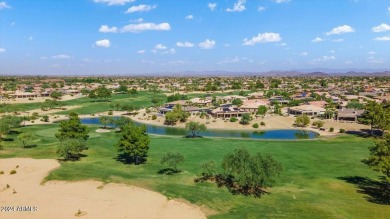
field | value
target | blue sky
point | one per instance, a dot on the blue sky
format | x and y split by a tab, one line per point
147	36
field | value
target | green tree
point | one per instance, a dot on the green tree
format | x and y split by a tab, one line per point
71	148
302	121
56	95
128	108
72	136
156	101
250	174
72	129
134	143
355	105
318	124
171	118
92	94
105	120
123	89
133	91
377	116
25	138
379	159
121	121
103	93
237	102
172	160
195	128
245	118
262	110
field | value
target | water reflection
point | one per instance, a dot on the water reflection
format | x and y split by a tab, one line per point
269	134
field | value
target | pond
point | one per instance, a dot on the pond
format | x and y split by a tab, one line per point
283	134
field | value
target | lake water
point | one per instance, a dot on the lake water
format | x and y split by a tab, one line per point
283	134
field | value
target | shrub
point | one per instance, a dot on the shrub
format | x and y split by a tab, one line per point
342	130
148	110
262	123
331	129
233	119
255	125
1	172
154	117
45	118
12	172
110	113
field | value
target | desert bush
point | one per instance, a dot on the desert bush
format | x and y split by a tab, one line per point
255	125
12	172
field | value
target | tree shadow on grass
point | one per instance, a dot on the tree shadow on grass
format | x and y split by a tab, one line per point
375	191
168	171
234	188
129	160
14	132
7	139
30	146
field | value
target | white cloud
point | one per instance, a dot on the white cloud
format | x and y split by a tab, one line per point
388	10
340	30
61	56
141	51
185	44
228	61
281	1
107	29
212	6
317	40
4	5
238	6
140	8
263	38
170	51
332	51
304	54
30	38
381	28
138	20
2	50
177	62
189	17
136	28
114	2
372	52
207	44
261	8
103	43
160	46
324	59
338	40
283	44
348	62
385	38
373	60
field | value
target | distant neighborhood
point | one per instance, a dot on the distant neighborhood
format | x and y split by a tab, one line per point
337	99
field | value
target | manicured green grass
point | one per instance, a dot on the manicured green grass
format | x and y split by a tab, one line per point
309	186
89	106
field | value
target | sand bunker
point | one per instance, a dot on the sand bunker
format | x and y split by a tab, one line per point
27	198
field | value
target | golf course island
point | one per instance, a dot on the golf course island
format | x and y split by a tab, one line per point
122	151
